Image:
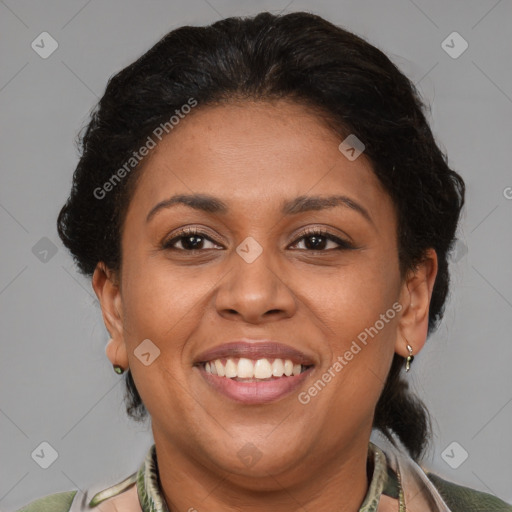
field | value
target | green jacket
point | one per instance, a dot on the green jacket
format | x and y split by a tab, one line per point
433	494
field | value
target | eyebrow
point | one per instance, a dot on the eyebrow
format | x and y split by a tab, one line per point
211	204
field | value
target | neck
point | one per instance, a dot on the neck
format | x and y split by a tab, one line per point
336	481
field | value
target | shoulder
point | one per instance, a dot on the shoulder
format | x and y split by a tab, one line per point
60	502
464	499
121	496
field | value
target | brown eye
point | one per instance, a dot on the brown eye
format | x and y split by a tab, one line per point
190	240
317	240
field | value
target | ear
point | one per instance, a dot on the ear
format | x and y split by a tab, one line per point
415	297
106	286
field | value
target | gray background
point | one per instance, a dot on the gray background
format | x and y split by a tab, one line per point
56	382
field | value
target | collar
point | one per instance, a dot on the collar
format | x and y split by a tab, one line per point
384	481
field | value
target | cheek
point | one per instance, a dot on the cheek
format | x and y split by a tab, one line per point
356	311
352	298
160	306
165	306
156	297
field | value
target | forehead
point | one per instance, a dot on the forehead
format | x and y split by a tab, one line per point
253	154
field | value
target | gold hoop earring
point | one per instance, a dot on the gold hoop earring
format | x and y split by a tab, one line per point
410	358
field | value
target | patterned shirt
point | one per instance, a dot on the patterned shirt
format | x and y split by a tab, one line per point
393	474
384	481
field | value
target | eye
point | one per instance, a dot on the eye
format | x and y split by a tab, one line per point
319	238
191	239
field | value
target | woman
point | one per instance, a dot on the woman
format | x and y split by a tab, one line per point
266	219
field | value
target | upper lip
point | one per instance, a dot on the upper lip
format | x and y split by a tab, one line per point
256	349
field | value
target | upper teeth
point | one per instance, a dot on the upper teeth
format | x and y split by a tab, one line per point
248	369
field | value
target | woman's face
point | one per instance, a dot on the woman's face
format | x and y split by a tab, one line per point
255	275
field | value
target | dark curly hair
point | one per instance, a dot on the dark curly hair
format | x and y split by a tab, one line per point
298	56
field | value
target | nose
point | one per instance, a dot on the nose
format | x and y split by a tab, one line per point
255	292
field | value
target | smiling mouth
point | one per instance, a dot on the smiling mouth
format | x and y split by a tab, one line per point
242	369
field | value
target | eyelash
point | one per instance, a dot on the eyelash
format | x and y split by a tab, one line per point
343	244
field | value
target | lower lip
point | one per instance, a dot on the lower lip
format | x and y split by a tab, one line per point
261	392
